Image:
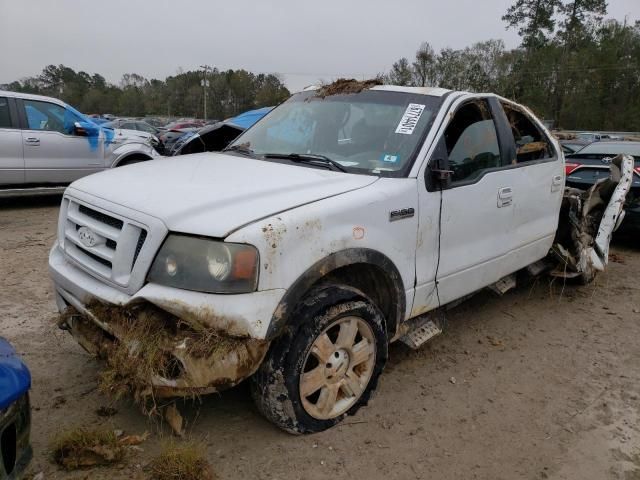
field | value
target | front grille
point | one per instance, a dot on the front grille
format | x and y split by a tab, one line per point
141	239
101	217
98	259
105	244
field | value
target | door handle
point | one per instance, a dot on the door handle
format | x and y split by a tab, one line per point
556	183
505	197
32	141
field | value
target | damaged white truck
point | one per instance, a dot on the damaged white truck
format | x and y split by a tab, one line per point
342	221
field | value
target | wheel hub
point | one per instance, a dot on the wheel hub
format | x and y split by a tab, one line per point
337	366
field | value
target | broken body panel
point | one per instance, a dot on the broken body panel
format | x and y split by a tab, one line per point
308	225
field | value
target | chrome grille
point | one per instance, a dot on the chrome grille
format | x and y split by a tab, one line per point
103	243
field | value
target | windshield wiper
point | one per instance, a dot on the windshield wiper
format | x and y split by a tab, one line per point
308	158
242	148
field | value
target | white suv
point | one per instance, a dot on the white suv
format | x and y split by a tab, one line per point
46	144
337	224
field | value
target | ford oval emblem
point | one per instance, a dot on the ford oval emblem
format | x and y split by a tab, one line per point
87	237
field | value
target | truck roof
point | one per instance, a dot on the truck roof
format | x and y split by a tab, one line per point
432	91
30	96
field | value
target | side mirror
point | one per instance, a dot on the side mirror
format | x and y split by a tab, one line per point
439	175
79	130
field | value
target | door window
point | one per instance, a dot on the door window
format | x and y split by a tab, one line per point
50	117
472	142
5	118
531	143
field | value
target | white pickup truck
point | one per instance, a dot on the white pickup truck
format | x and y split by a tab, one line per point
347	218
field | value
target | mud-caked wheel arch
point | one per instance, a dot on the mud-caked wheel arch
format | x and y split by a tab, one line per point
326	364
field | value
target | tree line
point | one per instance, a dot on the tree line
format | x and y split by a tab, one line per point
229	92
572	67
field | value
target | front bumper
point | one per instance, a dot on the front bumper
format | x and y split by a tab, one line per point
240	320
240	315
15	449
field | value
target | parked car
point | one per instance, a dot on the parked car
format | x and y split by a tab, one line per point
46	144
99	121
15	413
337	224
216	137
573	146
181	125
154	122
591	164
170	137
132	125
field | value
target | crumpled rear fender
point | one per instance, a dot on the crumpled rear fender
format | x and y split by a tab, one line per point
588	220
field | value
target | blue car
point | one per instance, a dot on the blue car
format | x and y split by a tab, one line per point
15	414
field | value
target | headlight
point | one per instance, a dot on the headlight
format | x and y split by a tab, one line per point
205	265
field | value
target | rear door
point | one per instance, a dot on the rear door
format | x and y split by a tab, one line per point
11	157
538	185
52	152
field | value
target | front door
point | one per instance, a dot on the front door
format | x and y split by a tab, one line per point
465	227
52	152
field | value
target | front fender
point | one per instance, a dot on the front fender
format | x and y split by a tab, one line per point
333	232
128	149
323	267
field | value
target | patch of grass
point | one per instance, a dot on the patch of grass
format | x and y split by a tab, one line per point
185	461
84	447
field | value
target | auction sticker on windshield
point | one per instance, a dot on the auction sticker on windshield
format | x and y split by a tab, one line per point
410	119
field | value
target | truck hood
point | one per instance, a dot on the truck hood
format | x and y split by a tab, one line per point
131	135
214	194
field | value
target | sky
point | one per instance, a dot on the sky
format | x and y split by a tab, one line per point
303	41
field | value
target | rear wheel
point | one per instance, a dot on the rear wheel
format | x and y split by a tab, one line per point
327	367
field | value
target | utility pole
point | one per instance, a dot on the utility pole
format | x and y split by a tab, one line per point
205	85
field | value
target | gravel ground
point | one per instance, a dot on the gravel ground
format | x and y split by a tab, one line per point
540	383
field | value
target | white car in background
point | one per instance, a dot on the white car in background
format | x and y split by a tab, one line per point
46	144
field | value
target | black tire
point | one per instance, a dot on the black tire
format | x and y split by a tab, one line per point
275	387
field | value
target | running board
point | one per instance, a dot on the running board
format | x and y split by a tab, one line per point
30	192
503	285
422	330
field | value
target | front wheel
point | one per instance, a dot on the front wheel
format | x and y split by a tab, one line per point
327	367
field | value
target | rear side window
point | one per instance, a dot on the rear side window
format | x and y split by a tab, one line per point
5	118
531	143
472	142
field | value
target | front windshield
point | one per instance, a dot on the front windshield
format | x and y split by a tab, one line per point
374	132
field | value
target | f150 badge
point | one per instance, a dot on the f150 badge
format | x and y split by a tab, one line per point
400	214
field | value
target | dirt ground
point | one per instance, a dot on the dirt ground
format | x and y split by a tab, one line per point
543	382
